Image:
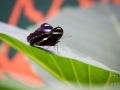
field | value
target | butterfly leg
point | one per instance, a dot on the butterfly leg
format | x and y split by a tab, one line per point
57	49
54	47
47	47
55	44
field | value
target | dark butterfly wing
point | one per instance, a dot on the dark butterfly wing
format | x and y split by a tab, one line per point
45	35
39	40
39	33
53	37
44	28
56	34
48	39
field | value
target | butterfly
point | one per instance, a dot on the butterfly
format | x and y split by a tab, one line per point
45	35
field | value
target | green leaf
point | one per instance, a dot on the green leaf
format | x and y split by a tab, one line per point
67	70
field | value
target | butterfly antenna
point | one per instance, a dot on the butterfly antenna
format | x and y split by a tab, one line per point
66	36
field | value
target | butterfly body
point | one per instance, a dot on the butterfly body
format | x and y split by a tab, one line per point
45	35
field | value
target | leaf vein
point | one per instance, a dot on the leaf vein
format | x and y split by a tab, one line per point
58	67
75	73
